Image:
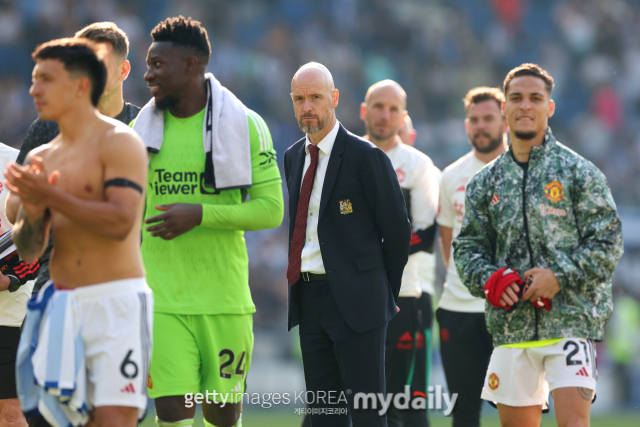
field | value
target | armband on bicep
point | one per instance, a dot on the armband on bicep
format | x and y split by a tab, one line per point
123	182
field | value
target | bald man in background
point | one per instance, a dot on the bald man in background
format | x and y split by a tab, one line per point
406	132
408	353
349	238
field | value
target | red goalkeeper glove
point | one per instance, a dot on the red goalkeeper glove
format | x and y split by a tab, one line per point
499	282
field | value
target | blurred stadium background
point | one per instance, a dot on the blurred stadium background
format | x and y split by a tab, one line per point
437	50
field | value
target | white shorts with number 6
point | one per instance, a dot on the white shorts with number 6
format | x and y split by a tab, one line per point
525	376
117	321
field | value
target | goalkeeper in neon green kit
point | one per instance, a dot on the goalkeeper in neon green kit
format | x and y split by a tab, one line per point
208	152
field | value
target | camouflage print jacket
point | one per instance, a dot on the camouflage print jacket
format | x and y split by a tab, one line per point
558	214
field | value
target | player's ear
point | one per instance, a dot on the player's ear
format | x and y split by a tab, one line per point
125	69
502	108
466	126
552	108
192	64
83	87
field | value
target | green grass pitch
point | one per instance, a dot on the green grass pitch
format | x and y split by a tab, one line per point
281	418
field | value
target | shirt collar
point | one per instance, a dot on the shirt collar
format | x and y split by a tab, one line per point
326	145
123	113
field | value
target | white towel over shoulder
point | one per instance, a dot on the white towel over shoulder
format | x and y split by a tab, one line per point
225	132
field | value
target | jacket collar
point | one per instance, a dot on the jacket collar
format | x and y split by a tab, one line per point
539	152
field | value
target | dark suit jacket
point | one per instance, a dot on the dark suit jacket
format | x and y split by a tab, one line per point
364	252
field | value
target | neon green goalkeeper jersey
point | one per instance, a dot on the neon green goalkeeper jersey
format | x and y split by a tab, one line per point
206	270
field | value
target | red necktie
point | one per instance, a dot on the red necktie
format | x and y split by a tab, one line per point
300	228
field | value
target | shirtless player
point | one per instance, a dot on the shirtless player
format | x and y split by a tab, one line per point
86	187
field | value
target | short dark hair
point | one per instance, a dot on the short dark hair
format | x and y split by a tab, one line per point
79	57
184	32
481	94
107	32
529	70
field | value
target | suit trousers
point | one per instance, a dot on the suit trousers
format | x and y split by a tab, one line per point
339	362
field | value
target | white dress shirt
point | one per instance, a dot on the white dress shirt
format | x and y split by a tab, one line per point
311	259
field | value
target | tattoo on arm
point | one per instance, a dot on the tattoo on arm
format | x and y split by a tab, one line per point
585	393
31	236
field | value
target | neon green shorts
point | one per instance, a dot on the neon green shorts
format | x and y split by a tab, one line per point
196	354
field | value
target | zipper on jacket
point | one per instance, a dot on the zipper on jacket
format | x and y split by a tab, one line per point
526	230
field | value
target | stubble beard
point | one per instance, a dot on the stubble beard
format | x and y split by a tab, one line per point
308	129
167	102
380	137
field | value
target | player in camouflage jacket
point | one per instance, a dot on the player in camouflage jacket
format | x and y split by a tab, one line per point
557	214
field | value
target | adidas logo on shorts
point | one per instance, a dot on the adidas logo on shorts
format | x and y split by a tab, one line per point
582	372
128	389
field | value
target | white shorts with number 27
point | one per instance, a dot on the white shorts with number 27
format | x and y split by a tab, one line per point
525	376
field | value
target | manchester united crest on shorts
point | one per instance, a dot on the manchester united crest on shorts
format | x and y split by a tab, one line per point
554	191
494	381
345	207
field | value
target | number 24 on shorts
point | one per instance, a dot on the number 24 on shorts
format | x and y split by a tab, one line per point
227	363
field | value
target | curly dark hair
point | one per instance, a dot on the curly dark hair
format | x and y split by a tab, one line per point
184	32
529	70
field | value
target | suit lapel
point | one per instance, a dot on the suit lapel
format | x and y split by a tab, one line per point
296	182
332	169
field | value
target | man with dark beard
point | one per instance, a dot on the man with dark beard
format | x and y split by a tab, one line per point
465	344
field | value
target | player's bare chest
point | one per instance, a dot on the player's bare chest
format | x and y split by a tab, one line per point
80	171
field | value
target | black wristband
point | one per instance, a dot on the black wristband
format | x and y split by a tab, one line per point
15	283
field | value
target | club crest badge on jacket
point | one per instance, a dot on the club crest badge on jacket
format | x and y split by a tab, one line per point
345	207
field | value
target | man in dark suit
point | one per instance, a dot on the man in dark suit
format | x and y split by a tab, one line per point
349	238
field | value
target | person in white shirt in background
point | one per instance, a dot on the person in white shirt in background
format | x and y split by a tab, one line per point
465	344
13	308
406	132
408	351
408	135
